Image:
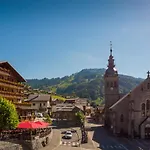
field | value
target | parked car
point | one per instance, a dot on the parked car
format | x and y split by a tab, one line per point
68	135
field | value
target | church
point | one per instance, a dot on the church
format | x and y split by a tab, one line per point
126	115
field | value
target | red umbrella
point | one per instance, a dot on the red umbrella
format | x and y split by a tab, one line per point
29	125
42	123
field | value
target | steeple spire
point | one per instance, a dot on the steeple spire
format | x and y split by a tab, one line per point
111	58
110	48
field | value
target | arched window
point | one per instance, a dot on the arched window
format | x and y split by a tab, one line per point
107	84
115	84
121	118
147	106
141	88
111	84
143	109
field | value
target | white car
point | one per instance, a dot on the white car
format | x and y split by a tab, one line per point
68	135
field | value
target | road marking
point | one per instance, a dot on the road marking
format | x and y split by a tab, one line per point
140	144
111	146
124	147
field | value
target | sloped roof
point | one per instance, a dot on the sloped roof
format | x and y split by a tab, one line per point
63	107
38	97
5	64
121	99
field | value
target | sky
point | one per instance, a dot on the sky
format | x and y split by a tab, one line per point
54	38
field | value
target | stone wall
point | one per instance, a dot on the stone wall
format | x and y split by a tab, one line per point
9	146
37	143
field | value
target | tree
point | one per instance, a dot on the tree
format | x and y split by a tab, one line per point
47	119
8	114
80	117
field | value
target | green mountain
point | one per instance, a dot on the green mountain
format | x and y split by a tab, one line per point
88	83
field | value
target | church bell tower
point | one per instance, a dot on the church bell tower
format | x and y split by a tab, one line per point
111	86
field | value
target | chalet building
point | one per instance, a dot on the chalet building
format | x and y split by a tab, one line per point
39	102
128	115
11	86
65	113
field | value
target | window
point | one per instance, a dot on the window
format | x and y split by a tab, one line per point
141	88
43	104
115	84
148	85
107	84
33	104
121	118
111	84
143	109
147	106
40	104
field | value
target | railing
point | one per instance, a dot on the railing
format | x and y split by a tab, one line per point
11	93
4	70
22	104
10	96
13	83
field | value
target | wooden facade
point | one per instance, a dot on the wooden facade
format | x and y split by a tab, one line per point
11	86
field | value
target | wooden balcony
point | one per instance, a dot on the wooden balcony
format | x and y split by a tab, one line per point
11	97
11	93
12	83
3	84
4	70
22	104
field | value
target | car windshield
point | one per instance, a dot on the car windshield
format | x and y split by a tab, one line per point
68	132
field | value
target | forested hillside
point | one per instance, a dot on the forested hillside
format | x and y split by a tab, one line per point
87	83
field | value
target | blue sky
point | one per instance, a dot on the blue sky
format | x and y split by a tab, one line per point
54	38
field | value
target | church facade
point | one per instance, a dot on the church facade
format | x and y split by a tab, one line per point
129	114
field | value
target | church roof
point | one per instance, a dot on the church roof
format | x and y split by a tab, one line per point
120	100
123	98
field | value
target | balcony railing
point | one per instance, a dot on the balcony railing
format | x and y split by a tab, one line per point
11	86
11	93
10	96
4	70
13	83
22	104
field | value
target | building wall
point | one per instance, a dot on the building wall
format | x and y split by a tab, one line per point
119	117
10	88
111	91
140	96
39	104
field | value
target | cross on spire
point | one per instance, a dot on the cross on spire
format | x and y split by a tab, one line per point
110	48
148	74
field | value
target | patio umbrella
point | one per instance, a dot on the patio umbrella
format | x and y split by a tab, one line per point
42	123
29	125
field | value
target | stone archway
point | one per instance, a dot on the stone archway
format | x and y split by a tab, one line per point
147	131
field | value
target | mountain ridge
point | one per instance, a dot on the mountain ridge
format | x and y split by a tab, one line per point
87	83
